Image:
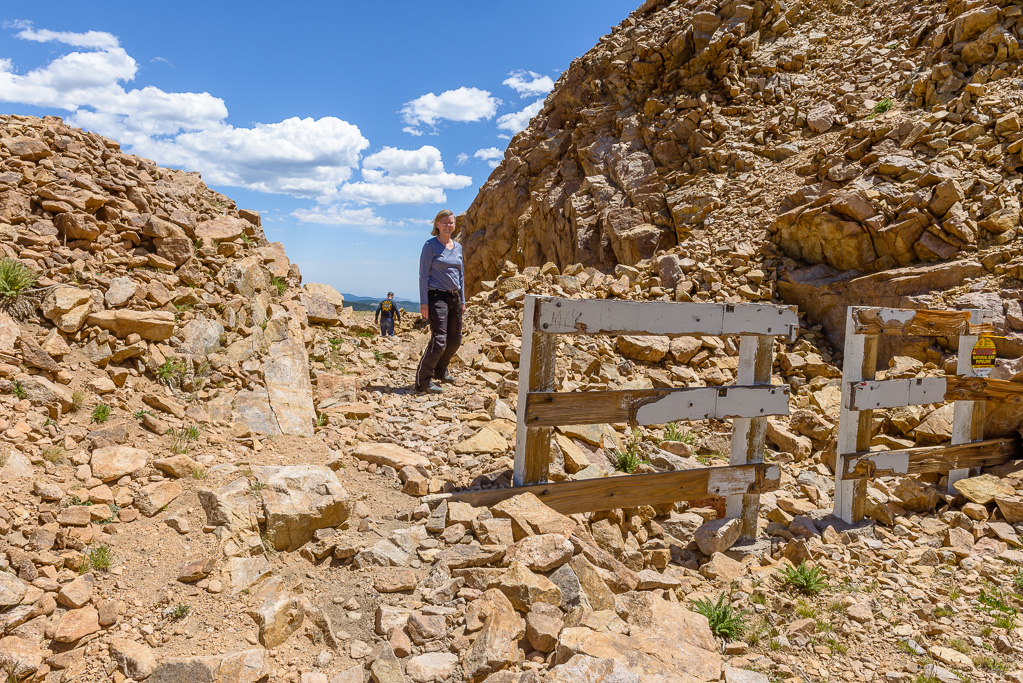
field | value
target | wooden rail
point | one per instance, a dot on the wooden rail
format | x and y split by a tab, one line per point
930	458
654	406
634	490
894	393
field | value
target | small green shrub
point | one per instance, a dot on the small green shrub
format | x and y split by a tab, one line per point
959	645
100	413
100	558
180	612
171	371
883	106
15	280
321	419
18	390
139	414
725	621
77	400
279	283
247	241
676	432
807	579
991	663
200	473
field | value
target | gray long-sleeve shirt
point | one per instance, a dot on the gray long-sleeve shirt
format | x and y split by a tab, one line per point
441	268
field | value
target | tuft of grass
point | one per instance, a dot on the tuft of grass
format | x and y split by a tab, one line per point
3	458
1017	580
139	414
54	454
943	611
807	579
883	106
991	663
247	241
1005	621
758	598
15	281
171	371
257	485
926	678
183	437
725	621
180	612
805	610
100	558
836	646
18	390
959	645
77	400
280	284
100	413
200	473
378	356
675	432
627	460
321	419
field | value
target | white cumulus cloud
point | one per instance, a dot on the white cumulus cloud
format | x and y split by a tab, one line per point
528	83
518	121
492	155
462	104
462	158
339	215
404	176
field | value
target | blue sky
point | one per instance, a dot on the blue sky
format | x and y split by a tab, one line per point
347	125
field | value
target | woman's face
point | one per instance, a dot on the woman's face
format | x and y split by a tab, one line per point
445	226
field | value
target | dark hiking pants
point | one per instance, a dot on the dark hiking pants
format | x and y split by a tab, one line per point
445	313
387	327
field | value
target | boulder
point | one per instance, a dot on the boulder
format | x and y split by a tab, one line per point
298	500
221	229
391	455
645	348
151	325
718	535
19	657
277	617
134	660
246	666
68	307
113	462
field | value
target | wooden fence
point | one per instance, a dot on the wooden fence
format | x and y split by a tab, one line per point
861	395
747	404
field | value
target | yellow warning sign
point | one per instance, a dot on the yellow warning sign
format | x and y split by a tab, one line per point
982	358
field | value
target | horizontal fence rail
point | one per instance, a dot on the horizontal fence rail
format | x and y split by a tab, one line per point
602	316
654	406
634	490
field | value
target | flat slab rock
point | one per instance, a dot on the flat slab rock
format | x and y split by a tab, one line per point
390	454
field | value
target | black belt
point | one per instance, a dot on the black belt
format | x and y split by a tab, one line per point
446	291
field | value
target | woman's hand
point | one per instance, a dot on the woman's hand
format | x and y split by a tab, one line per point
463	308
424	310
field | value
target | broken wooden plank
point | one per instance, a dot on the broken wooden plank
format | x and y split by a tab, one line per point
536	373
895	393
984	389
601	316
654	406
930	458
610	493
922	322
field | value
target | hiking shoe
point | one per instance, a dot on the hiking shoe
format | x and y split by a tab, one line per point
430	388
448	378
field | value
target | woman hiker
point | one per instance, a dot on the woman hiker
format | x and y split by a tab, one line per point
441	300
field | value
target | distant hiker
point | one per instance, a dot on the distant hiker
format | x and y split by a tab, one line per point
441	300
387	313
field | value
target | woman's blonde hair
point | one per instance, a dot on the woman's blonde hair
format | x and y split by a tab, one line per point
443	213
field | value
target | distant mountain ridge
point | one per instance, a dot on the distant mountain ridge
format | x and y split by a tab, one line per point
370	303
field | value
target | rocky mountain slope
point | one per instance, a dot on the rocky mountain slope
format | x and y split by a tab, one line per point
211	471
853	137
